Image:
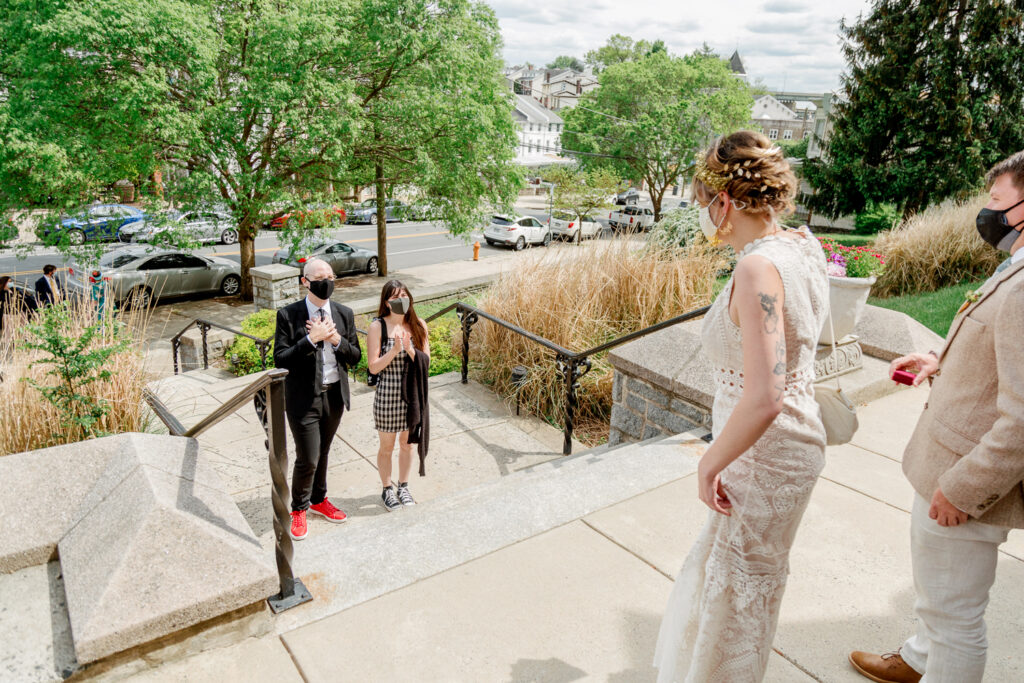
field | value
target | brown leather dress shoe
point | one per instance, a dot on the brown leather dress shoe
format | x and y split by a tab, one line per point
887	668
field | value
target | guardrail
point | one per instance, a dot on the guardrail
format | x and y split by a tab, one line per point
267	394
571	365
263	345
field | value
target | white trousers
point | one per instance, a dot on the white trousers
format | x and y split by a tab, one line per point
954	568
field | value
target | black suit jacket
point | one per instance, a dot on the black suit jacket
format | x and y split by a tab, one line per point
45	295
294	352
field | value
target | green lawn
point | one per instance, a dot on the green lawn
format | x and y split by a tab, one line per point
934	310
849	240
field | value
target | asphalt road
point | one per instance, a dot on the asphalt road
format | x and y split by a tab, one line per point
409	244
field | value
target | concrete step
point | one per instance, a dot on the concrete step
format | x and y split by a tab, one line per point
346	566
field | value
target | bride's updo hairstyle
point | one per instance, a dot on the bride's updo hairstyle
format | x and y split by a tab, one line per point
751	169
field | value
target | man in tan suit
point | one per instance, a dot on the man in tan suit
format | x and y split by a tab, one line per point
966	460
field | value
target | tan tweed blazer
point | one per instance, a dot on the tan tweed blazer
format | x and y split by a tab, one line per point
970	438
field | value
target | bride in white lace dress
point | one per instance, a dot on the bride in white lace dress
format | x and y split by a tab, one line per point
769	442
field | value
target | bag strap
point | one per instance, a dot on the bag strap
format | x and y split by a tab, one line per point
832	329
383	334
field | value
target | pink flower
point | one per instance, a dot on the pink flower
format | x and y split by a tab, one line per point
836	269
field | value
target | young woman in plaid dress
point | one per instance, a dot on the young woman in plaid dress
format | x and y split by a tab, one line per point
406	335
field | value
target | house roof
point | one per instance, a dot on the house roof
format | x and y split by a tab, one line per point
535	112
736	64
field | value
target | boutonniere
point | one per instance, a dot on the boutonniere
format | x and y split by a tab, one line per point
969	299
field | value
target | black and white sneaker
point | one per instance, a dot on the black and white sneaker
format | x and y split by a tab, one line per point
391	502
404	496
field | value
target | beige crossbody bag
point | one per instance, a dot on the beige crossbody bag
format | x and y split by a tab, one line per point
837	412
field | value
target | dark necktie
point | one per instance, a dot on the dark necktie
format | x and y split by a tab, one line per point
320	315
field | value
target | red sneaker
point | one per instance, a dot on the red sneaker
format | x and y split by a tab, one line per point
327	510
298	530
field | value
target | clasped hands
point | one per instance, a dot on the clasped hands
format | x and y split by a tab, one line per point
403	340
323	330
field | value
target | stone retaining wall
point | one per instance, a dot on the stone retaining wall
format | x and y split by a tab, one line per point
642	411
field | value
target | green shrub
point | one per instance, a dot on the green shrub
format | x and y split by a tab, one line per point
443	358
243	356
876	218
677	228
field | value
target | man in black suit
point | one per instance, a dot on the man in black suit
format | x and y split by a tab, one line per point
316	342
48	290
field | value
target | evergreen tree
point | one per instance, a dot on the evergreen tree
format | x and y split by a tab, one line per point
933	96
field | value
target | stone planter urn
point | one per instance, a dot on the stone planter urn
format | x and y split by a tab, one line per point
847	297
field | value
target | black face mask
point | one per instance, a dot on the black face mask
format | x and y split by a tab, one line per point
398	306
321	289
994	228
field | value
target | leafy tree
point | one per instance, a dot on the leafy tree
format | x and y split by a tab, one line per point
567	62
260	106
932	97
795	148
649	117
583	192
617	50
434	111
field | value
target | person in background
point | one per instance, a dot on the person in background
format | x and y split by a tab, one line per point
13	301
48	290
316	342
397	343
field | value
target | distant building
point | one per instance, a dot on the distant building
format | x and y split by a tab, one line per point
736	64
780	119
554	88
540	133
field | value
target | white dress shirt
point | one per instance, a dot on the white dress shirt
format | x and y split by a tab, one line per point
331	371
1017	255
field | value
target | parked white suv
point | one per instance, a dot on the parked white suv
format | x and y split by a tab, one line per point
632	218
567	224
517	231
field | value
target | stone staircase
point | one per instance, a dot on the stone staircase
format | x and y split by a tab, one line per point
493	479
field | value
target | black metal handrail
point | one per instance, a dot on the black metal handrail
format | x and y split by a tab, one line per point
204	327
267	394
572	365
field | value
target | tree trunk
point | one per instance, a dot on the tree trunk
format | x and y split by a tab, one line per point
382	221
657	194
247	255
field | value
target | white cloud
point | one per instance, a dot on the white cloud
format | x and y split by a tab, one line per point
783	43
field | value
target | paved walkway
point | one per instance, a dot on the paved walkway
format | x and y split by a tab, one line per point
583	600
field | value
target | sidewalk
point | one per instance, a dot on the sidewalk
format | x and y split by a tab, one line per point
583	601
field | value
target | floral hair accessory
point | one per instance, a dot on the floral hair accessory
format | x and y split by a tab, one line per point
712	179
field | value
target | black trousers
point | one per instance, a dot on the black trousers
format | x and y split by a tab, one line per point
313	434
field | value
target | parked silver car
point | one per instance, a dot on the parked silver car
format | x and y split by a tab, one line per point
343	258
202	226
138	275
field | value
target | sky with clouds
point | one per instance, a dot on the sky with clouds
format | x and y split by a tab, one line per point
791	44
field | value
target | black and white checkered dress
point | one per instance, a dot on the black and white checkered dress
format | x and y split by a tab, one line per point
389	410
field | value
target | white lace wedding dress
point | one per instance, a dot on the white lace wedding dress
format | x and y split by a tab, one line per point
721	616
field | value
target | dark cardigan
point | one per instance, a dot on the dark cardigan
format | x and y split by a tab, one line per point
414	393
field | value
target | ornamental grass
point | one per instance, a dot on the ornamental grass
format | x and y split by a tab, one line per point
29	421
936	248
579	297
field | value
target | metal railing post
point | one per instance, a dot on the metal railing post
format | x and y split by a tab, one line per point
263	355
203	329
175	343
469	318
293	591
572	369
